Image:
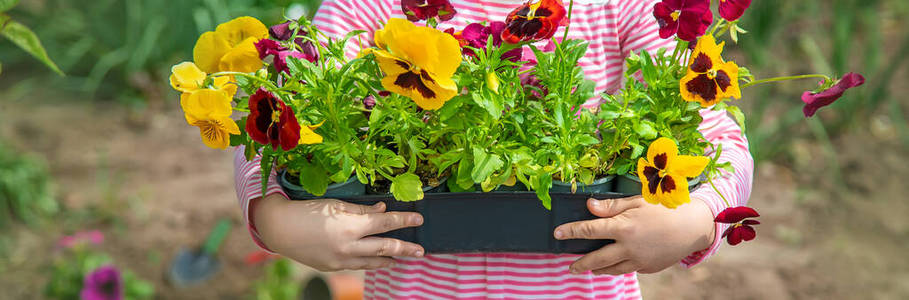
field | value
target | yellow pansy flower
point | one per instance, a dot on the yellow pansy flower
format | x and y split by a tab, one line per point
308	135
186	77
664	174
709	79
418	62
210	110
231	47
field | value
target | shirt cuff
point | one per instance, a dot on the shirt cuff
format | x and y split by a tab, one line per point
715	203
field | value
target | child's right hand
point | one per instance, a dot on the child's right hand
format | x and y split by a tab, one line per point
331	235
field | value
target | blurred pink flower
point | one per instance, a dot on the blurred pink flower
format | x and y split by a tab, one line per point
93	237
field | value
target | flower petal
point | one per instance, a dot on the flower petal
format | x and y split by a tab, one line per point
815	101
732	10
734	215
209	49
238	30
186	77
688	166
309	137
673	191
664	146
243	58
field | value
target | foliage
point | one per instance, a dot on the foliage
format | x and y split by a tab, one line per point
279	282
26	190
22	36
69	271
498	132
833	36
124	49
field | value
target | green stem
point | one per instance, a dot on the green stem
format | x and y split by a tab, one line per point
254	78
785	78
710	181
570	9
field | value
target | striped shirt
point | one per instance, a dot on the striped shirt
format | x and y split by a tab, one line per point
613	28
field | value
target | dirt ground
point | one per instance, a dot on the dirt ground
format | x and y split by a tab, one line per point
819	239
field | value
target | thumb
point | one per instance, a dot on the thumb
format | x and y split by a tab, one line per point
611	207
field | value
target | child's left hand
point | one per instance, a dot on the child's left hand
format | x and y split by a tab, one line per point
649	237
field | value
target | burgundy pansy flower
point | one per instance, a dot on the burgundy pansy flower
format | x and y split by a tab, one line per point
741	229
476	35
814	101
271	122
268	47
417	10
104	283
534	21
732	10
281	31
687	18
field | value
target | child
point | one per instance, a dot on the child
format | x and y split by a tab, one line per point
329	234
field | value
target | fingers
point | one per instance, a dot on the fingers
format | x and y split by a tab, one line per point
605	257
596	229
385	222
621	268
362	209
384	247
612	207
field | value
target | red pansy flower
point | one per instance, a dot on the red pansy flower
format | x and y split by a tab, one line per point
534	21
814	101
688	18
268	47
741	230
476	35
732	10
271	122
417	10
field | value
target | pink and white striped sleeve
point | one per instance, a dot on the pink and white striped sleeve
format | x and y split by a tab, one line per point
638	30
719	129
335	18
248	183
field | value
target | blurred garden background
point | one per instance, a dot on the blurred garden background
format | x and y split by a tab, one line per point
104	151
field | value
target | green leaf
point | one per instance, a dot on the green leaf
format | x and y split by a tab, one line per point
265	165
313	178
407	187
7	5
645	130
485	165
586	140
542	183
738	115
28	41
648	69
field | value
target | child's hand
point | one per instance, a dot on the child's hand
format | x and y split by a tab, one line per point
330	235
649	238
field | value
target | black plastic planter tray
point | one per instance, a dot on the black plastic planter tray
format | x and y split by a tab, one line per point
491	222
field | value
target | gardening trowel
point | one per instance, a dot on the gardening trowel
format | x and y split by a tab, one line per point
194	266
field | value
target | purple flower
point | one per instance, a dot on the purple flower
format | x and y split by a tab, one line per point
477	35
687	18
732	10
104	283
268	47
281	31
814	101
